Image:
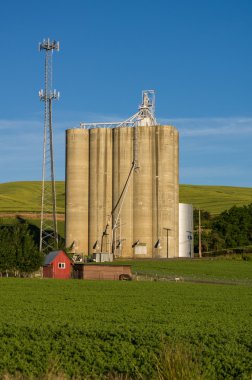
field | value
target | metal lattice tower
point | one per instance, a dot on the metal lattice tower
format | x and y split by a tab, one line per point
48	226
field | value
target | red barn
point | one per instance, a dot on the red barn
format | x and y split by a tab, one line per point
57	265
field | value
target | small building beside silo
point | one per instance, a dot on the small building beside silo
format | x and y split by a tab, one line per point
186	246
101	272
57	265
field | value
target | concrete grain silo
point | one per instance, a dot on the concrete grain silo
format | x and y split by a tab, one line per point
122	164
166	190
143	194
77	190
132	187
100	187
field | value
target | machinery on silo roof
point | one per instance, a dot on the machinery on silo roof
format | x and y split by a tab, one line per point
122	186
144	116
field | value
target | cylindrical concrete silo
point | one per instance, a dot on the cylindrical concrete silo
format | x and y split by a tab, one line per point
100	187
143	194
98	165
122	163
186	230
165	191
176	190
76	188
151	202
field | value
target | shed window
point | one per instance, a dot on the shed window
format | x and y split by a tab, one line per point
62	265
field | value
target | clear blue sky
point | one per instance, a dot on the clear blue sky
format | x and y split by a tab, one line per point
196	54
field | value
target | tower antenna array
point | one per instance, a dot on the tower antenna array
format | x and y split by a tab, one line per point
48	226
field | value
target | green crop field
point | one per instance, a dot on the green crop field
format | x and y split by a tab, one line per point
90	329
212	270
25	196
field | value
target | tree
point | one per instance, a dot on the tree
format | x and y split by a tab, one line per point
230	229
29	259
18	250
234	226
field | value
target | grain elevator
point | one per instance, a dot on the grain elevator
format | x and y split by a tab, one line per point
122	189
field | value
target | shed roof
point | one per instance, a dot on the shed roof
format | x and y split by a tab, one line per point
51	256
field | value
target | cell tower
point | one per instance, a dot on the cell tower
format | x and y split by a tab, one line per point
48	226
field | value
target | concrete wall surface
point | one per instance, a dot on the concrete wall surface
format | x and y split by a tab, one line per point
77	190
151	203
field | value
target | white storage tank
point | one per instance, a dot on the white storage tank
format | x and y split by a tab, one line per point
186	230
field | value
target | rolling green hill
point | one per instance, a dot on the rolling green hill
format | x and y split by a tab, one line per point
25	197
215	199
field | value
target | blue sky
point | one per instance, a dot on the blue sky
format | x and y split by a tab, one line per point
196	54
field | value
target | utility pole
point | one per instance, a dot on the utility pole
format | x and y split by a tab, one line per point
167	241
200	231
189	238
48	225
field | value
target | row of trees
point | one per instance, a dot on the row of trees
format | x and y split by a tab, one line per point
19	252
230	229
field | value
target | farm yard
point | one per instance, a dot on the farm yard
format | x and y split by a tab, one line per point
136	330
126	214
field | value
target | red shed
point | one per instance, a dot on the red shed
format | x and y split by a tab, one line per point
57	265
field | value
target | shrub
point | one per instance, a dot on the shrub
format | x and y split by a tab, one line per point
177	362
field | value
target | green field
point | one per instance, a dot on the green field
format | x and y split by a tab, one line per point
87	329
212	270
25	196
215	199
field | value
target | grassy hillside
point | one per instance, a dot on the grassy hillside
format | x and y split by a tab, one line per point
215	199
25	196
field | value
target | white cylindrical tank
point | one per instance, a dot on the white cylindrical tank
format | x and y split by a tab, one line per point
186	230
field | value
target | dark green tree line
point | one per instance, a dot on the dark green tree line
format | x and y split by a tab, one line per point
230	229
18	250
